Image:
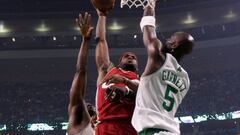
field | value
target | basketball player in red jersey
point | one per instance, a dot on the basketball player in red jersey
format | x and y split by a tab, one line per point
81	115
116	87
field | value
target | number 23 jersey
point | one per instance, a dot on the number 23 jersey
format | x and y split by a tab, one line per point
159	96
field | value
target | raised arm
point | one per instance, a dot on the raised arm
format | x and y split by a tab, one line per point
151	42
79	82
102	53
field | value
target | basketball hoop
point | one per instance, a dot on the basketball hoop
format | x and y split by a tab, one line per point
138	3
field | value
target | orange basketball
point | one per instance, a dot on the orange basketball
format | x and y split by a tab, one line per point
103	5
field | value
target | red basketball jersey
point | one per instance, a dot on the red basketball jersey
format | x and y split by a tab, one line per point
115	110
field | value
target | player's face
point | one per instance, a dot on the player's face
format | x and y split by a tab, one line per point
129	62
172	43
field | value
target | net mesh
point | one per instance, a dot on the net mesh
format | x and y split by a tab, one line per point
138	3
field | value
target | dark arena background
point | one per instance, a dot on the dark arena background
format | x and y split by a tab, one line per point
39	42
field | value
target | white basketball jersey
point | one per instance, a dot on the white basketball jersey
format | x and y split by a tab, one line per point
159	96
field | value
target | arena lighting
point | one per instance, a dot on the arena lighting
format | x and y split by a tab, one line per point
115	26
134	36
200	118
189	20
64	125
42	28
230	15
236	115
187	119
74	38
76	28
39	127
54	38
13	39
3	29
3	127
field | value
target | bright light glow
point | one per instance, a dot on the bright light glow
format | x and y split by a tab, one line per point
3	127
3	29
187	119
236	115
115	26
220	116
77	28
54	38
200	118
135	36
64	125
13	39
190	38
230	15
42	28
39	127
189	20
74	38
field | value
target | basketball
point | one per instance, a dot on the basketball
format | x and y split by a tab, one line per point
103	5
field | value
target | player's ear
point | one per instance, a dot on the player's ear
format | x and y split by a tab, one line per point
174	45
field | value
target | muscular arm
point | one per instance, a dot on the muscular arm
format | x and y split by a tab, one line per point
153	46
102	53
79	82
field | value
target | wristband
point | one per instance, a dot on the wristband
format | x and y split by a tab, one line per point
147	20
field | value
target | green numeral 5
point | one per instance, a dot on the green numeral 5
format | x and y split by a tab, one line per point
169	98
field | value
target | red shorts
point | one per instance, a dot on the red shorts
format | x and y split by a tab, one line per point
115	128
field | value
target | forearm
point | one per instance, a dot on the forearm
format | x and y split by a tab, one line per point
78	87
131	84
148	26
80	77
102	53
82	55
101	28
150	40
149	35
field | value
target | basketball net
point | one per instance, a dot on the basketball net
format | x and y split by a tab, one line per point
138	3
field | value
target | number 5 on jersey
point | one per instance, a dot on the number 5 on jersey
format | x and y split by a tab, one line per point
169	98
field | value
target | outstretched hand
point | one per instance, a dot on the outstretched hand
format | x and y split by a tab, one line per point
85	25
